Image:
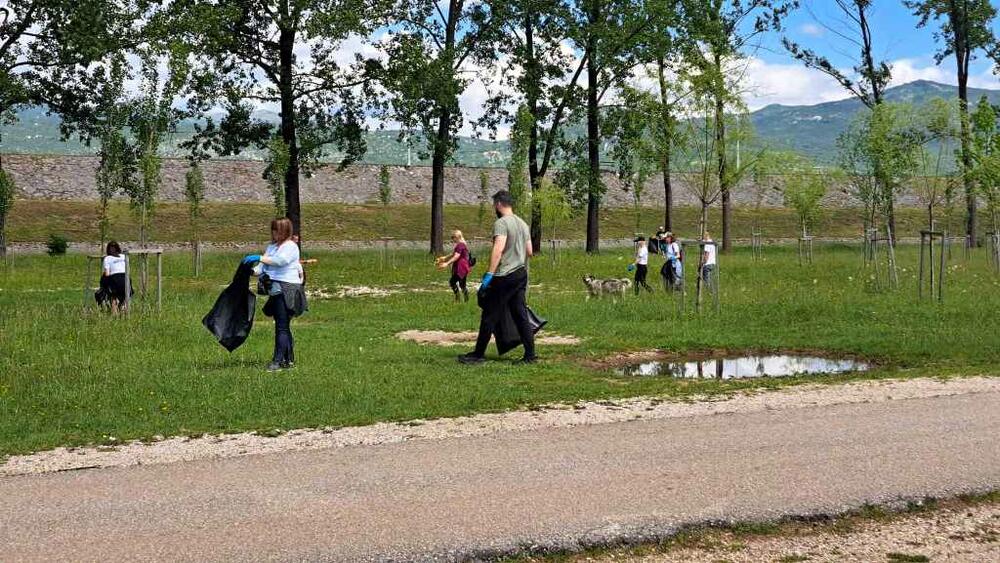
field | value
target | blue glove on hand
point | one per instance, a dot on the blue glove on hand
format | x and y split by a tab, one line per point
487	278
250	259
630	267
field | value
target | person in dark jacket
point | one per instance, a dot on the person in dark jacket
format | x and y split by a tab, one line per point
282	280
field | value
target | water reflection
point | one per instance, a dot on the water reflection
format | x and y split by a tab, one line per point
744	367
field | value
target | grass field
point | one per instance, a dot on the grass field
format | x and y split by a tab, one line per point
68	377
36	220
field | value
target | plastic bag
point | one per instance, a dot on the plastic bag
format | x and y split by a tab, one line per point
231	318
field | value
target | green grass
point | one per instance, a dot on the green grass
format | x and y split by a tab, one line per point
68	378
897	557
35	220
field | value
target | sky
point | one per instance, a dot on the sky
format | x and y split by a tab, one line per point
774	77
778	78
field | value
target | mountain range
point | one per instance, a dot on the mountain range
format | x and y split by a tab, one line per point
809	129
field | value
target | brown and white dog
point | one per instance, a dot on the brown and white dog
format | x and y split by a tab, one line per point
599	288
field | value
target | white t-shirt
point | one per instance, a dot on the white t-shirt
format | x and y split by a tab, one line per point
114	265
642	257
674	250
710	252
285	262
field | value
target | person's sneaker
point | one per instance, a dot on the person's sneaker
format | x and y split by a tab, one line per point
470	359
275	366
527	360
287	365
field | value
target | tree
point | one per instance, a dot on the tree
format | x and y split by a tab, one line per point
43	42
719	32
609	35
194	193
936	185
153	118
631	130
541	76
518	182
276	173
7	192
484	196
422	75
662	53
552	204
279	52
879	153
869	77
384	195
803	188
985	152
116	170
966	28
701	155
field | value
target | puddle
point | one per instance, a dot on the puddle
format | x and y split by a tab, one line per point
742	367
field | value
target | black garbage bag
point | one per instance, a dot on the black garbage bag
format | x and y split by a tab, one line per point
505	332
231	318
506	335
667	273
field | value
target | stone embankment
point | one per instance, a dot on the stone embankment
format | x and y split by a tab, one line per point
72	178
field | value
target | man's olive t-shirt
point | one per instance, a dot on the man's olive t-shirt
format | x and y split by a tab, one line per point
515	253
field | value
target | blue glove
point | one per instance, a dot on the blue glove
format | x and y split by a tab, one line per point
250	259
630	267
487	278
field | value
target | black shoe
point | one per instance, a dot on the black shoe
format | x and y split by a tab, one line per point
527	360
471	359
287	365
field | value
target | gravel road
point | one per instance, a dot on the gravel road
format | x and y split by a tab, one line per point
476	496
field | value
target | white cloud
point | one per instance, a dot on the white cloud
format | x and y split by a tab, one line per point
812	30
908	70
787	84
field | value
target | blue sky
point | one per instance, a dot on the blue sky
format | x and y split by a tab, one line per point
780	79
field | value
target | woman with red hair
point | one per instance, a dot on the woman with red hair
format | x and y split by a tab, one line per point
281	280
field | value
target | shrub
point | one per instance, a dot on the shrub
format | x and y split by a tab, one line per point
57	245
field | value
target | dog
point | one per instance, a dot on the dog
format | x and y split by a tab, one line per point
599	288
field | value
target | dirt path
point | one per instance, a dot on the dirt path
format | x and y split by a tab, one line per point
498	493
552	416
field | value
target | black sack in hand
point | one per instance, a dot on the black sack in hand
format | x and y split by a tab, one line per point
231	318
506	335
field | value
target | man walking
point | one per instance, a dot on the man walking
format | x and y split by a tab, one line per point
505	281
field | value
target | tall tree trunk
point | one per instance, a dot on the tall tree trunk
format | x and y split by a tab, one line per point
668	195
962	59
442	141
667	132
720	156
3	218
593	133
437	181
531	95
293	210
